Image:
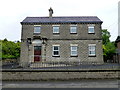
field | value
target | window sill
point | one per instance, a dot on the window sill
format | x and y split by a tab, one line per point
55	56
56	33
91	33
36	33
73	33
74	56
92	56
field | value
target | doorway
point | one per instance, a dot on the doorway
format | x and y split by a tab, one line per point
37	53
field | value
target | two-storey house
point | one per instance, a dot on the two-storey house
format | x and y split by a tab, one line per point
64	39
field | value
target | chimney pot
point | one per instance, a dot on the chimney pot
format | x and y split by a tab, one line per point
50	12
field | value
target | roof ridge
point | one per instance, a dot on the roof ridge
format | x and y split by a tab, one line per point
58	16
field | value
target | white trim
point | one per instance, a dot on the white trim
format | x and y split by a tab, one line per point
56	45
71	50
73	25
55	50
91	25
37	25
55	25
90	50
91	44
73	44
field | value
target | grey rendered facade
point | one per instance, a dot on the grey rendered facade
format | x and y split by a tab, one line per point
63	45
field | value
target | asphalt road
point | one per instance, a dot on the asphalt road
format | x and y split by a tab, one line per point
63	84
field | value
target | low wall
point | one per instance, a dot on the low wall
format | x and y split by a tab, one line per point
59	75
8	61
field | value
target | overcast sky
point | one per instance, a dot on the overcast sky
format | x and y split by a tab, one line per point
12	12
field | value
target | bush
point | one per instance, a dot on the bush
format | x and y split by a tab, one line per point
10	50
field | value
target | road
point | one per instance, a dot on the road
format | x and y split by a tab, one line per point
63	84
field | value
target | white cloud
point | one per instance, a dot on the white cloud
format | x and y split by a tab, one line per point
14	11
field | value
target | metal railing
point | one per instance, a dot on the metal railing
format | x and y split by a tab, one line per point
60	65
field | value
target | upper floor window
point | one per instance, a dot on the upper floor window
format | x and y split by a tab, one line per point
74	50
92	49
56	50
91	29
56	29
73	29
37	29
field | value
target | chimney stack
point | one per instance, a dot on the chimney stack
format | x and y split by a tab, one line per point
50	12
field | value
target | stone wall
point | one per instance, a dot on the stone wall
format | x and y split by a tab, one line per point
9	61
82	51
82	38
82	31
40	75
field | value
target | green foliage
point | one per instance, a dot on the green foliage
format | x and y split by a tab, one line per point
108	46
109	50
10	49
105	36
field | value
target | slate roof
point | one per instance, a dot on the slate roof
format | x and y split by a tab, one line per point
72	19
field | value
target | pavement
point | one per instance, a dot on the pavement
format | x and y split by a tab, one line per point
63	84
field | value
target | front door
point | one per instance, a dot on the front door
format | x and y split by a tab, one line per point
37	53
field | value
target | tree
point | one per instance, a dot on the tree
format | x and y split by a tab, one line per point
10	49
108	46
105	36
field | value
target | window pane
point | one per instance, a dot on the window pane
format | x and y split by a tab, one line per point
74	48
55	50
73	29
56	53
37	29
55	47
91	29
73	52
92	50
55	29
37	47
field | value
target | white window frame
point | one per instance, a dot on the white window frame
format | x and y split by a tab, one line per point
72	29
91	49
71	50
56	50
58	28
39	29
91	27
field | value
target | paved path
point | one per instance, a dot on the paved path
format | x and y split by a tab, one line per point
63	84
81	66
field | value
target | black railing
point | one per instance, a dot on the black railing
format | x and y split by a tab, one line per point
59	65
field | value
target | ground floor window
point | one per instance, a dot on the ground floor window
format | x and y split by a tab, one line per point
74	50
56	50
92	49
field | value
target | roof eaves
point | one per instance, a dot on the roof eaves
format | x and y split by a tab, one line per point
63	22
